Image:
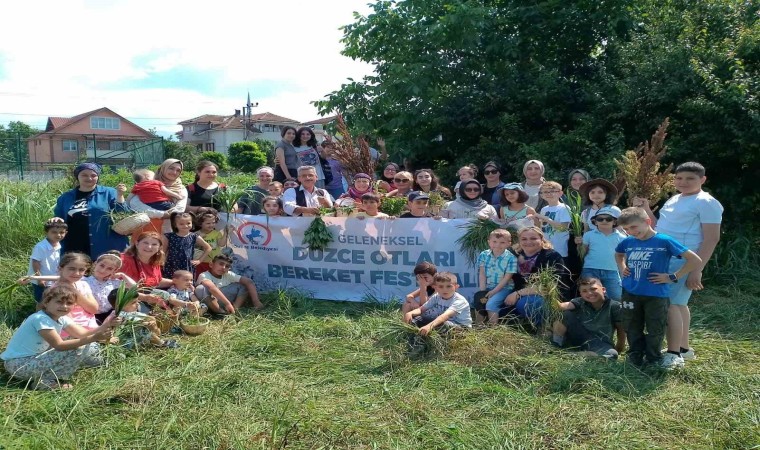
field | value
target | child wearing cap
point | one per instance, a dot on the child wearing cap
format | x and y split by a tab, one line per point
600	256
417	203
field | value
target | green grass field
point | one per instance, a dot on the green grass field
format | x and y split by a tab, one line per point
311	374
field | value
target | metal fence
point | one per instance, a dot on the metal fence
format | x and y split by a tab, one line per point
33	159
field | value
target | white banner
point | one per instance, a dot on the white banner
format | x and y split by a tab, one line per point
370	259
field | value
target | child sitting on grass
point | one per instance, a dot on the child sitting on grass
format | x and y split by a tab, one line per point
643	260
182	293
496	266
38	353
424	273
140	328
371	205
45	257
445	310
205	222
152	192
223	290
589	321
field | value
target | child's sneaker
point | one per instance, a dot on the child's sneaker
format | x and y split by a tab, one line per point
671	361
689	356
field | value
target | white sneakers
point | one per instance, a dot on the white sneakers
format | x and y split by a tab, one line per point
689	356
671	361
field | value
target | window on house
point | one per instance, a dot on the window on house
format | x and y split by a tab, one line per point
210	147
199	147
70	146
105	123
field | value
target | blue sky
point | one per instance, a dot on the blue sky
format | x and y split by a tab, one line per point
158	63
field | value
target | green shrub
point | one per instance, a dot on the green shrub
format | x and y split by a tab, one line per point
217	158
246	156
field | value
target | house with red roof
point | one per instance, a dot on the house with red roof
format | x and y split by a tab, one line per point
100	135
211	132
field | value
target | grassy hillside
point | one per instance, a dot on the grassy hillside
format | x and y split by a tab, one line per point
310	374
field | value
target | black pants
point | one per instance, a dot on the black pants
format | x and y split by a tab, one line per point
642	313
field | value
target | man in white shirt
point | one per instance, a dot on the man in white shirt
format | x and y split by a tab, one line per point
306	199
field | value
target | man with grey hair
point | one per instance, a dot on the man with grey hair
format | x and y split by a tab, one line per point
306	199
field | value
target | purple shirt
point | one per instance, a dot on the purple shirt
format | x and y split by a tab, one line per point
337	174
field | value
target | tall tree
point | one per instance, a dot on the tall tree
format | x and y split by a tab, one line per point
573	83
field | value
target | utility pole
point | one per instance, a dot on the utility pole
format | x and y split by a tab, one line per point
247	114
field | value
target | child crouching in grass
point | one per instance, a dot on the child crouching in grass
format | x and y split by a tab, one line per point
424	273
140	327
38	353
223	290
588	322
445	310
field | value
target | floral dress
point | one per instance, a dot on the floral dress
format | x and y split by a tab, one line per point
179	254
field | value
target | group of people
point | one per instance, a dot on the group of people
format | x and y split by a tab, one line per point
634	282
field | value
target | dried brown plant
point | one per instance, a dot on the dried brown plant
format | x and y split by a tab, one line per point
353	154
639	171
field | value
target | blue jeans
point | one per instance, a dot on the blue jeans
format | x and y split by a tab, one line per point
528	306
610	280
496	302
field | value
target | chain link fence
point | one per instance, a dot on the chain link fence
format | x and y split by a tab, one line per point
33	159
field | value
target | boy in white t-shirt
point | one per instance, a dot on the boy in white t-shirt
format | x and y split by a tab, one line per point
46	256
555	217
446	308
693	218
223	290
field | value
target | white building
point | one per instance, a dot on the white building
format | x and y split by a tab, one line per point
211	132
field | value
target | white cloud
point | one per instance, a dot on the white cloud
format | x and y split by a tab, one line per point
59	57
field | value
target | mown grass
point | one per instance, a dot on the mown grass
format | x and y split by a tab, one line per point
310	374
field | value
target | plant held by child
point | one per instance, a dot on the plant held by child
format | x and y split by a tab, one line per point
475	239
639	171
575	207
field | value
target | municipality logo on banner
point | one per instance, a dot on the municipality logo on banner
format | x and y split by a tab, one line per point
254	235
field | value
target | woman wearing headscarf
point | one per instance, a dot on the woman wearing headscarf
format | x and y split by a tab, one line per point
168	173
533	171
387	184
492	174
469	204
85	209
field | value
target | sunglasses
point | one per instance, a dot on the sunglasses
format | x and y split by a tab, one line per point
604	219
490	172
472	189
401	180
550	192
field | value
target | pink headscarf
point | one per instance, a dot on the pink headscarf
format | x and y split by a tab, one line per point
536	162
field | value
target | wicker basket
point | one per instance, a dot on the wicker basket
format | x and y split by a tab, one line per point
130	224
164	323
195	329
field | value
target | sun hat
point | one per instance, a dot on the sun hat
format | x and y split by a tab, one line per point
612	191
